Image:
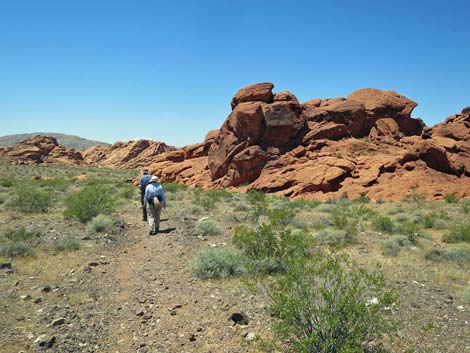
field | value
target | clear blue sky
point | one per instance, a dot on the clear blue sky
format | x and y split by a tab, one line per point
167	70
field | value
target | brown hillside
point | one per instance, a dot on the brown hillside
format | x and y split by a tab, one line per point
364	144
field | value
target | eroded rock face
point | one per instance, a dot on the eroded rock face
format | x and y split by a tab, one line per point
364	144
41	149
126	155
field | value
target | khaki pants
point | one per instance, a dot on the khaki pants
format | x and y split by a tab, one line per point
153	215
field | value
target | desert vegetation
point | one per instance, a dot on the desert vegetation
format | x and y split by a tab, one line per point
336	276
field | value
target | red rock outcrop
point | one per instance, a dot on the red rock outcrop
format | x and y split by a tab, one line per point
125	155
41	149
364	144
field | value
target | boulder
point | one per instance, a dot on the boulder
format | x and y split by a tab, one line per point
262	92
245	166
246	121
283	121
385	127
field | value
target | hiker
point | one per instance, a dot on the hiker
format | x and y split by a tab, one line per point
142	185
154	200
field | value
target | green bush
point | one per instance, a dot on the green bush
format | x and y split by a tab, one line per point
329	305
55	183
259	204
217	263
466	206
66	244
466	295
206	227
89	202
128	191
29	199
383	224
412	231
331	236
21	234
393	245
459	253
100	223
16	249
6	182
173	187
451	198
458	232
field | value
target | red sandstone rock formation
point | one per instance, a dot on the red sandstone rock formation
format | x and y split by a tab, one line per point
125	155
41	149
365	144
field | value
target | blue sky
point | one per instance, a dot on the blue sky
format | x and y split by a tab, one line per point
167	70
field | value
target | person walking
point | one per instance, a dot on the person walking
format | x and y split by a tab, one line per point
144	180
154	200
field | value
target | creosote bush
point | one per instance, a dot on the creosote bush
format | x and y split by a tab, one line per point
217	263
30	199
458	232
393	245
459	253
89	202
66	244
207	227
16	249
383	224
329	305
451	198
21	234
100	223
173	187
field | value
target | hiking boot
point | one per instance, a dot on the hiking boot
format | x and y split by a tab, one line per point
152	232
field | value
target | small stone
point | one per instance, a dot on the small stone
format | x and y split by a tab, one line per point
239	318
141	312
46	289
44	342
58	322
250	336
26	297
172	312
177	306
37	300
5	265
192	337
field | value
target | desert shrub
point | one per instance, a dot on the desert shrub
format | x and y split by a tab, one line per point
412	231
466	206
331	236
458	232
269	248
281	217
451	198
66	244
89	202
127	191
16	249
329	305
383	224
21	234
6	182
393	245
458	253
415	197
173	187
29	199
100	223
466	295
217	263
207	227
326	207
3	198
397	209
240	207
259	204
363	199
55	183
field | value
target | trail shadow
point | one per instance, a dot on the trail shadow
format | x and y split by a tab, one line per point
167	230
163	219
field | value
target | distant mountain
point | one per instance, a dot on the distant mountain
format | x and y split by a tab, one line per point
68	141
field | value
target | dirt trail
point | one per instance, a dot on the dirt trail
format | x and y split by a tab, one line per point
157	305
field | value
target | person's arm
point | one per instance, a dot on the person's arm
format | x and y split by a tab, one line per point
163	197
146	196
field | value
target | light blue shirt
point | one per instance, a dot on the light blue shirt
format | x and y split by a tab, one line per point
153	190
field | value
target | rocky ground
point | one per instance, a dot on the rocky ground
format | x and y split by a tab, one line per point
126	291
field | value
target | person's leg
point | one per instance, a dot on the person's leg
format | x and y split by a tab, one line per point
158	210
144	210
151	217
